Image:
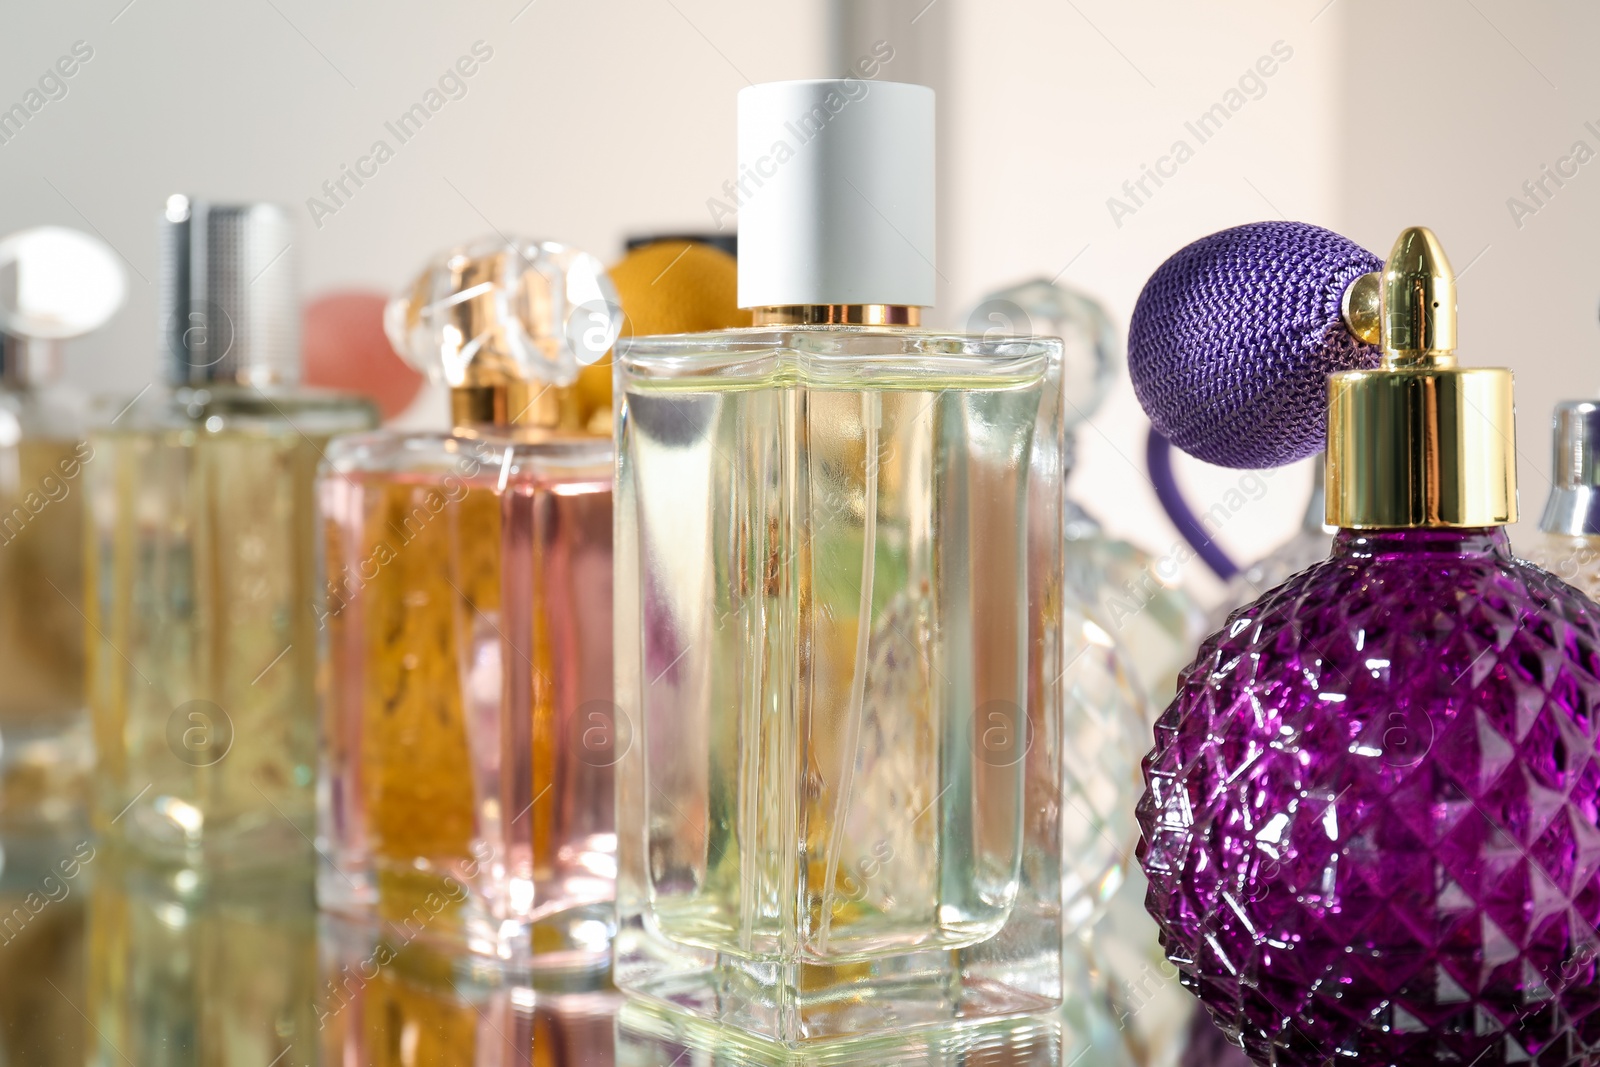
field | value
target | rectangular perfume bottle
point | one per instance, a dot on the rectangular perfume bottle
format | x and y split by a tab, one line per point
201	565
468	745
840	793
468	751
839	587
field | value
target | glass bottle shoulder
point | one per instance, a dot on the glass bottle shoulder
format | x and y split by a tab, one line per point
849	357
1574	558
486	458
268	410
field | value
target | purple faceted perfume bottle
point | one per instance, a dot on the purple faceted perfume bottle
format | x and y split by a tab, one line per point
1370	824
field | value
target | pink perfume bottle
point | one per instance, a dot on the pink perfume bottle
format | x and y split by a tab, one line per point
467	726
1371	826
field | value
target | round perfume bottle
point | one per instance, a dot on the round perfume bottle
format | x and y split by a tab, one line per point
56	284
1372	817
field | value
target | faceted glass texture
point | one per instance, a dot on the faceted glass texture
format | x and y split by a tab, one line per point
1574	558
1370	823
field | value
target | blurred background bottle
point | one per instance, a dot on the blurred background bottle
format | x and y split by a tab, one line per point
1309	544
201	566
1131	593
55	284
1567	543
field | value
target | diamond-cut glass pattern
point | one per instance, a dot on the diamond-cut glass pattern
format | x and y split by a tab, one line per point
1370	821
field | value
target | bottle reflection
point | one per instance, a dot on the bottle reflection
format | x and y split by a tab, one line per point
43	890
646	1036
185	968
387	1002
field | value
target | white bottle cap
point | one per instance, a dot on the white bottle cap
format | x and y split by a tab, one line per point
836	193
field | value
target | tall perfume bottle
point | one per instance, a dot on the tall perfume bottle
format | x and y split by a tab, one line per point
202	557
1568	541
55	284
469	733
838	606
1370	826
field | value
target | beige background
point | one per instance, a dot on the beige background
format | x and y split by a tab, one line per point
597	118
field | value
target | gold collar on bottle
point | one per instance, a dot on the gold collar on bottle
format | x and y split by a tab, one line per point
837	315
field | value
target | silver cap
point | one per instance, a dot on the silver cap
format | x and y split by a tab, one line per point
227	308
1574	504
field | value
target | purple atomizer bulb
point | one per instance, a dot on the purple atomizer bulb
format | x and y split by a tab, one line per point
1370	824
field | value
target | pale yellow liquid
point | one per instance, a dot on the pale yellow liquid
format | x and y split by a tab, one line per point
202	574
838	629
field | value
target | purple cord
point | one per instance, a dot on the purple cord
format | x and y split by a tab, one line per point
1158	458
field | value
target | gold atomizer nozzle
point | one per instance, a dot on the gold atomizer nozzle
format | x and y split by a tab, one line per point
508	325
1418	442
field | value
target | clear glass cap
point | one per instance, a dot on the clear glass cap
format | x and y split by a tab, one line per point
503	310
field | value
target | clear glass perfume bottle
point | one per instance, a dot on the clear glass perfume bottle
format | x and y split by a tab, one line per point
202	558
1567	543
1370	821
1136	596
1106	717
838	605
1310	544
468	725
55	284
1133	595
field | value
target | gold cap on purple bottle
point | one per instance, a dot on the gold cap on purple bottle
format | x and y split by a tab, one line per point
1419	442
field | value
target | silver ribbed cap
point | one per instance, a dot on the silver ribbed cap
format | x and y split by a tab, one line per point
227	297
1574	505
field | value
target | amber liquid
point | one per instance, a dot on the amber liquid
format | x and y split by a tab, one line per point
44	737
468	725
